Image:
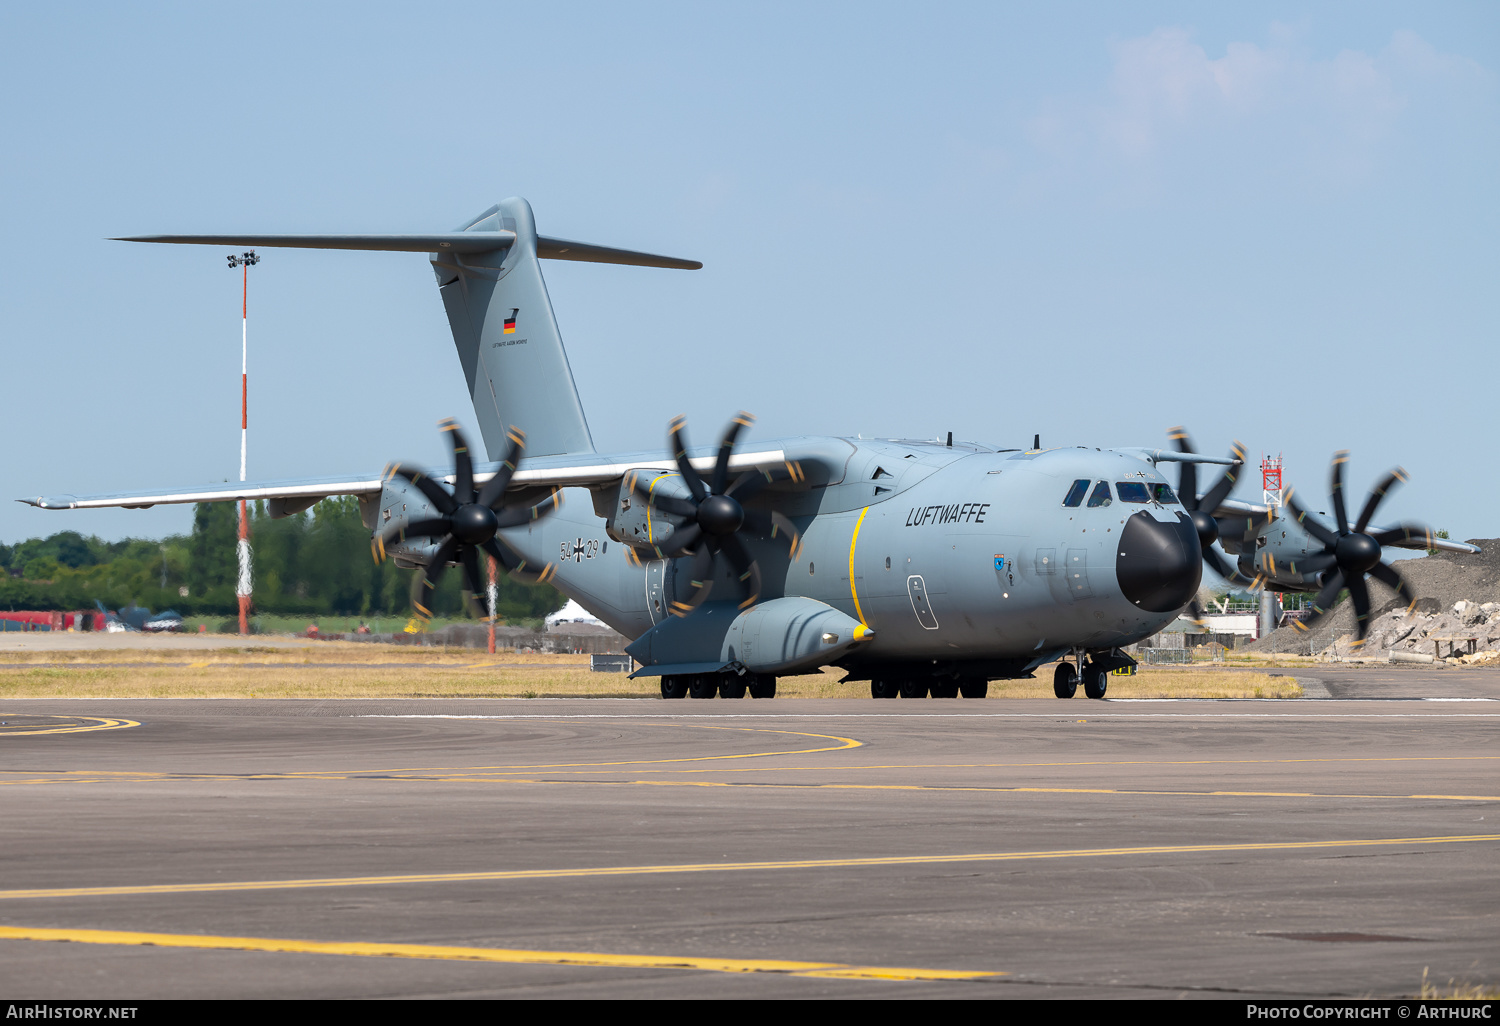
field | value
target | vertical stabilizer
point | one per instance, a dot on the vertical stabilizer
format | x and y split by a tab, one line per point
507	338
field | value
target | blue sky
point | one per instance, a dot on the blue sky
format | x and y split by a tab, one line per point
1274	222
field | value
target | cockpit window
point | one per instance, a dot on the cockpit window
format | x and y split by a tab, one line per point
1077	492
1132	491
1163	493
1100	496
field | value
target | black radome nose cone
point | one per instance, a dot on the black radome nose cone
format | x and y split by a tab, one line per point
1159	565
474	524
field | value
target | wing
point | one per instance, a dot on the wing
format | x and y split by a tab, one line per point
291	490
293	495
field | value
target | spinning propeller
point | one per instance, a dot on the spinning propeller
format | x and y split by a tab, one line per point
714	517
1201	511
468	520
1351	554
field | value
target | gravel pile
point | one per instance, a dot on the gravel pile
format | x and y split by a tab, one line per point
1440	582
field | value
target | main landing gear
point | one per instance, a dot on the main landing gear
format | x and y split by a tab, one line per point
714	685
1065	680
969	687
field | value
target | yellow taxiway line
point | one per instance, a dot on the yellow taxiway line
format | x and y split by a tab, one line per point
514	956
727	867
80	727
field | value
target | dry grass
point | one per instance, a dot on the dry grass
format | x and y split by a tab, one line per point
1457	991
352	670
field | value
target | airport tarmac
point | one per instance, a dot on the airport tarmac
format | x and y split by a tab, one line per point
596	848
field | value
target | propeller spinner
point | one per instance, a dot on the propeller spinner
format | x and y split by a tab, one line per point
468	520
714	517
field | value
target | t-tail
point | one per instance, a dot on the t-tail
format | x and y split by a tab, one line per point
503	326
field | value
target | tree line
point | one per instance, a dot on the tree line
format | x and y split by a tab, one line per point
315	563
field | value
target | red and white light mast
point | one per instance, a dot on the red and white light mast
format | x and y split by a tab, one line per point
242	587
1270	495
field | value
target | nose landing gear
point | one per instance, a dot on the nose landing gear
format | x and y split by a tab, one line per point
1093	676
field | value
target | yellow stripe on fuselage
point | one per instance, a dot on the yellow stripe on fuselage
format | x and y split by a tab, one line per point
859	613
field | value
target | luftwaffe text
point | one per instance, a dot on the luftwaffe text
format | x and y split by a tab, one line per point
958	513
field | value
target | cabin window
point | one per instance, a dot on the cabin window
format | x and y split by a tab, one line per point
1132	491
1101	495
1163	493
1077	492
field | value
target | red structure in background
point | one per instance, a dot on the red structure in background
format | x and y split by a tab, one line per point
1270	477
53	620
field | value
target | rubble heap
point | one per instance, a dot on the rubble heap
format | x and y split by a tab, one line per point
1429	637
1440	581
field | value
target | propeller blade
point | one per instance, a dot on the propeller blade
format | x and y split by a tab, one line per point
1359	594
702	581
771	525
747	568
1195	611
721	465
526	514
677	444
1323	602
1187	481
1220	491
1307	523
494	488
1387	575
463	465
1231	574
436	494
1336	489
1406	536
1312	564
749	484
1377	495
515	564
681	541
427	579
478	586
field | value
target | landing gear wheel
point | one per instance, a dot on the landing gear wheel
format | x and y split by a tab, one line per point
705	686
1095	680
884	689
1064	681
763	685
913	689
948	689
976	688
732	687
673	687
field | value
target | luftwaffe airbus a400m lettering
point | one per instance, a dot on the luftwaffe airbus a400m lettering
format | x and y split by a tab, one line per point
923	567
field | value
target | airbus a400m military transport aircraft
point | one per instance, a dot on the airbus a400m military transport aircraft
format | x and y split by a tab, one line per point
924	567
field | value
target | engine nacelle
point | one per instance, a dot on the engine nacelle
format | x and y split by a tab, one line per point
402	503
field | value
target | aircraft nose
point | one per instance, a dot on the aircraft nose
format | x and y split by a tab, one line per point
1159	565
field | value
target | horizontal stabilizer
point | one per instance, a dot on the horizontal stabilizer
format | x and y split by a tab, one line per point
441	242
562	249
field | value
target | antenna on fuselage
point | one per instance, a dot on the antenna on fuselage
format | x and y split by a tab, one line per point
1036	441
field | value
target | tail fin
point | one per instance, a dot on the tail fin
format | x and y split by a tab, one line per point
507	338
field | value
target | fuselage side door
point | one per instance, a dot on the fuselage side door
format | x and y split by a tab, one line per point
916	588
